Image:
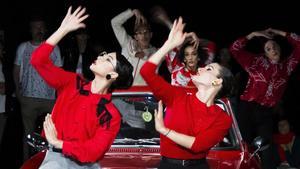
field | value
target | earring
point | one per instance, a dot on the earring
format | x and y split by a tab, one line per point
108	77
214	83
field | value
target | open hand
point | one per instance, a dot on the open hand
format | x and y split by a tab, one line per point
159	120
139	17
73	21
192	38
176	35
51	133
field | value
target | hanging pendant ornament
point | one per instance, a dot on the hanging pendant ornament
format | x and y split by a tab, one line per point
147	116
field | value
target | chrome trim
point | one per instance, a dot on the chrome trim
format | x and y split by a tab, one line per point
225	102
135	146
131	93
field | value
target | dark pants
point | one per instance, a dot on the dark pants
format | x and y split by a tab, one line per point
3	119
32	109
256	120
164	164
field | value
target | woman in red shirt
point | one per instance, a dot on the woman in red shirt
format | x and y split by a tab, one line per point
268	77
193	123
183	61
84	122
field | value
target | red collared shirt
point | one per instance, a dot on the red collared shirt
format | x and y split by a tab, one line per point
74	114
187	115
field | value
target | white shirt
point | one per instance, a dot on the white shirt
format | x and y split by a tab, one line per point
129	44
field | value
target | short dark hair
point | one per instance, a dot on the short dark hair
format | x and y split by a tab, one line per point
124	70
228	84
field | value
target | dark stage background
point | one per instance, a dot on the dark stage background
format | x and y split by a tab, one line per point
219	21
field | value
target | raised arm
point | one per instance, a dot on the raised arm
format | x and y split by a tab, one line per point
71	22
139	17
237	49
40	59
293	60
159	15
264	33
172	57
176	38
273	32
118	28
161	89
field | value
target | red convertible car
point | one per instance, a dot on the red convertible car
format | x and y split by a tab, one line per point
137	144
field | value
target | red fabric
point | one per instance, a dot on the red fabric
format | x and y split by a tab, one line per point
267	81
187	115
74	115
283	139
183	78
211	48
180	76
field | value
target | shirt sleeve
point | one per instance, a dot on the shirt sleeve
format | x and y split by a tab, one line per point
172	60
213	135
20	50
118	28
293	60
94	149
210	48
160	88
57	57
54	76
243	57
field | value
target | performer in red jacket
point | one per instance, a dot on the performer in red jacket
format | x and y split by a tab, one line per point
84	122
193	123
268	76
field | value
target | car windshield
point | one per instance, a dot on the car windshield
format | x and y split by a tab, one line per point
137	127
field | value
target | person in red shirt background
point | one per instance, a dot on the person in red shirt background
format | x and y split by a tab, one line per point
268	76
84	122
184	60
193	123
287	145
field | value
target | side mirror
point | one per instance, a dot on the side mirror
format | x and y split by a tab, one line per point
259	144
37	142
